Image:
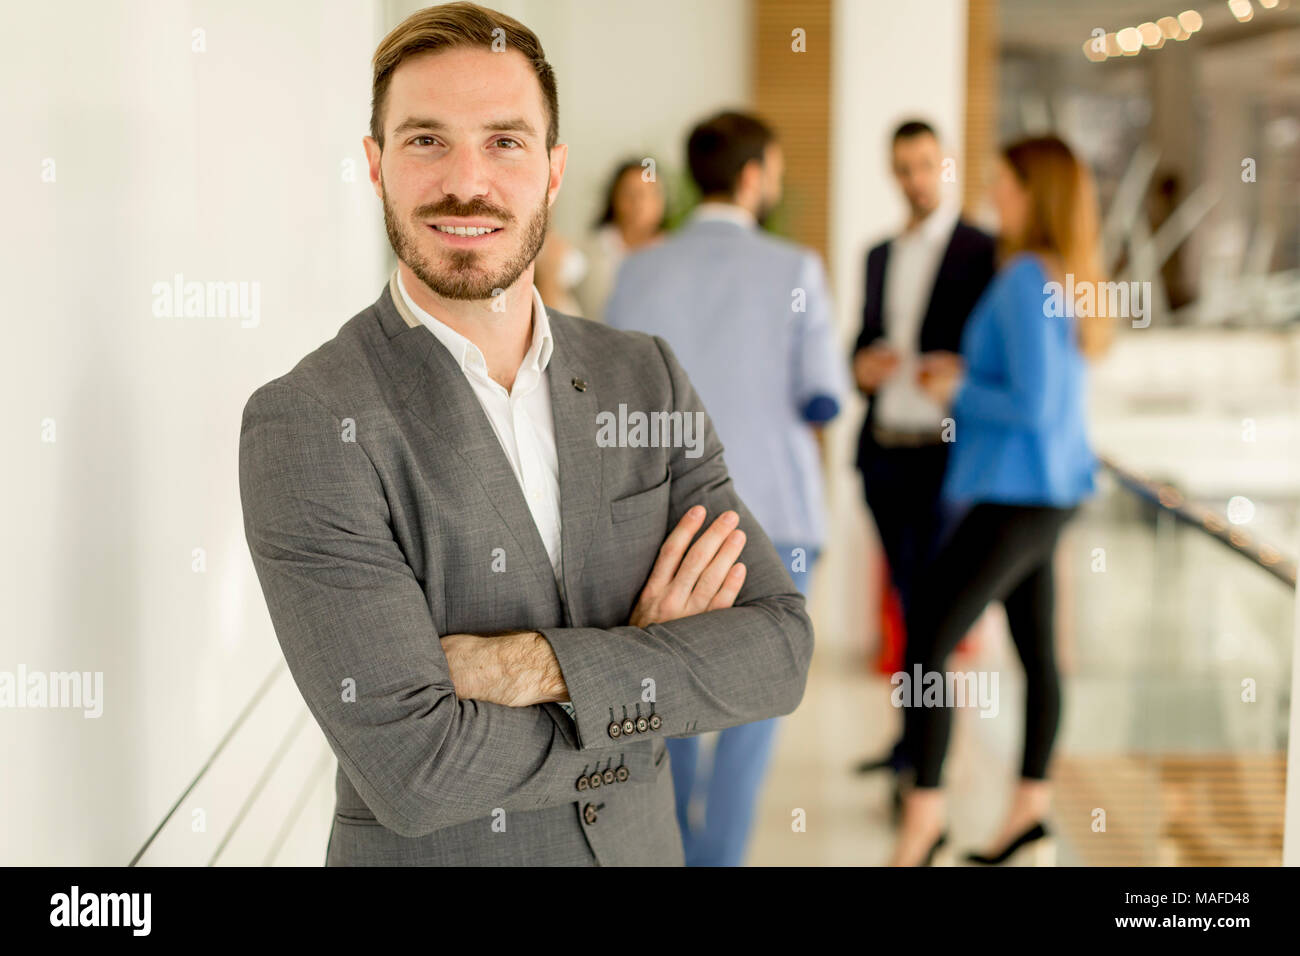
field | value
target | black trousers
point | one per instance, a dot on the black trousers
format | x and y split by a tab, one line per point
997	553
902	490
902	486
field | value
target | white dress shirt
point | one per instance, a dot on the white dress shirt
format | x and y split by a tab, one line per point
521	418
910	271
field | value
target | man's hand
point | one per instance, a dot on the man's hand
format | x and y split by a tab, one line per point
939	375
873	366
515	669
707	579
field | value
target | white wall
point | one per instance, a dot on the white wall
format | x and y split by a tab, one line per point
219	165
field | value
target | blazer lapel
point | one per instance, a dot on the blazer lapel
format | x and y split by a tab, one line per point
437	393
574	404
938	291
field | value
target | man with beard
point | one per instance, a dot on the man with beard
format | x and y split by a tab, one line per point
495	619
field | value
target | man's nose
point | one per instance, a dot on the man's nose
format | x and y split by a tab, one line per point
465	173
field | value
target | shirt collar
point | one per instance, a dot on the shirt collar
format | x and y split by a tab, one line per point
468	356
725	212
938	224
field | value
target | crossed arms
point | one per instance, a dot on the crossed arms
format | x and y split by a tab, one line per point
520	669
357	630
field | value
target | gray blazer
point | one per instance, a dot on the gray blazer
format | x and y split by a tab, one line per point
381	512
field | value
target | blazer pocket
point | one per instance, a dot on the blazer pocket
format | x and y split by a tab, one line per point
642	503
356	818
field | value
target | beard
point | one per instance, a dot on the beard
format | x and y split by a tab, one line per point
462	273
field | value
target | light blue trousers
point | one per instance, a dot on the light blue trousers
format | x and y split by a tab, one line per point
740	760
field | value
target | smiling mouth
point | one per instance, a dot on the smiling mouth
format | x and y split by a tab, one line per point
467	232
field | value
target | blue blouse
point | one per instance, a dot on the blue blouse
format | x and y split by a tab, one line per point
1020	434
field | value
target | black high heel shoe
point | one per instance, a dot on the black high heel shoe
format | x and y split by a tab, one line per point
891	761
935	848
1036	836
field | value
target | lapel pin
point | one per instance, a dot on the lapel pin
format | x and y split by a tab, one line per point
579	384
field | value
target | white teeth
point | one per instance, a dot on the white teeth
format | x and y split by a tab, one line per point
465	230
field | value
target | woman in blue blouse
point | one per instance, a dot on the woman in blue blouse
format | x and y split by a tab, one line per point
1021	463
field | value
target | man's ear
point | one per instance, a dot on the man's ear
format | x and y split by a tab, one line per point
750	180
559	158
373	157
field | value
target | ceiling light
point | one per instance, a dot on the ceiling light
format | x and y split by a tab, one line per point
1130	41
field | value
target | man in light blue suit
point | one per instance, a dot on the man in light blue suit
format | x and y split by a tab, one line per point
748	315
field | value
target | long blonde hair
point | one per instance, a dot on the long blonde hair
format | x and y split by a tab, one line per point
1062	224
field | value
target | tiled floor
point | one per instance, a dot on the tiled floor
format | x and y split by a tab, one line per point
846	715
1149	731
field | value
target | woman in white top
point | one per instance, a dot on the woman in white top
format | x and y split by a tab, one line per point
633	218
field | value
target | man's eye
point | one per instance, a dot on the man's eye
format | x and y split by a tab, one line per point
419	138
507	139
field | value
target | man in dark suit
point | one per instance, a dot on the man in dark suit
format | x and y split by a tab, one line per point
920	287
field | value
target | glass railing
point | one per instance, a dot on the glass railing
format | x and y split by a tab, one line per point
1176	655
261	798
1175	652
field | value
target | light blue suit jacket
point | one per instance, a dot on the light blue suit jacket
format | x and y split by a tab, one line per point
748	315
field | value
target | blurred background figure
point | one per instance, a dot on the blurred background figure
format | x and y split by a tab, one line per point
920	287
633	217
1022	462
560	266
748	316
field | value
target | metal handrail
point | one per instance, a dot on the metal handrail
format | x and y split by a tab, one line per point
1171	500
221	745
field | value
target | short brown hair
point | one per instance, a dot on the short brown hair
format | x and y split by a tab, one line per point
456	25
912	128
719	148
